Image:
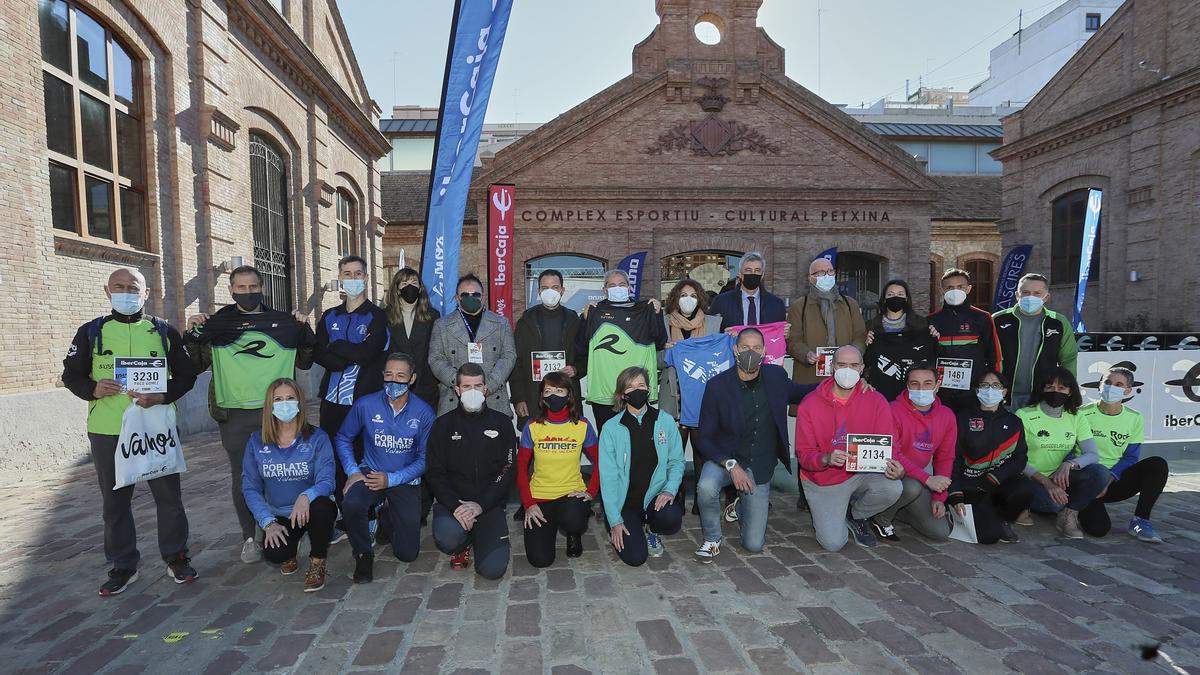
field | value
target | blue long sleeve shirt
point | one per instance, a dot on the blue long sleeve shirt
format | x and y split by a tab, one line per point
393	442
274	477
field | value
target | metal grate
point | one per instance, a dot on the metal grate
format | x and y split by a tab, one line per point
268	204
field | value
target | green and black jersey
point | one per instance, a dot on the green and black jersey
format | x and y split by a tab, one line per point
248	351
615	337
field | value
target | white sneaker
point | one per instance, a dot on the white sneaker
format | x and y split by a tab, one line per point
251	551
707	551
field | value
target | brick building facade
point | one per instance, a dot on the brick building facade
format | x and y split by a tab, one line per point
1122	116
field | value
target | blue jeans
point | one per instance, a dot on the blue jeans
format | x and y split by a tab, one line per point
1085	484
751	508
403	521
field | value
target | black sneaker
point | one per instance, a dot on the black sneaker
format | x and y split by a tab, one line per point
883	531
180	570
861	532
1006	533
574	545
117	581
364	568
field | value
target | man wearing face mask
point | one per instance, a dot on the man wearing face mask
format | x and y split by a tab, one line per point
393	426
1034	340
469	469
822	318
248	345
472	335
749	304
743	435
88	372
841	501
545	339
965	334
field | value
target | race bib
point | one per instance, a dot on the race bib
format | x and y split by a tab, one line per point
474	352
954	373
824	363
145	375
868	452
546	362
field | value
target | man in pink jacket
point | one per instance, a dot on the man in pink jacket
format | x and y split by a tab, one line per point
924	443
839	500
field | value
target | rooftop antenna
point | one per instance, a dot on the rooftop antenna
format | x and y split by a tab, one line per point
1020	28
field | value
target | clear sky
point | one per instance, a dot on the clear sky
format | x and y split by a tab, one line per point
559	52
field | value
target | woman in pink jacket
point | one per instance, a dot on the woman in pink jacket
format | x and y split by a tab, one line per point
924	441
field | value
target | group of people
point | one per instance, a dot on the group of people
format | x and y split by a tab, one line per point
981	417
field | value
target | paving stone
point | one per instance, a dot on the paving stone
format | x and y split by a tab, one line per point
691	611
932	665
747	581
560	580
285	651
805	643
768	568
92	661
398	612
1056	624
893	637
446	596
676	666
229	661
1028	662
324	659
348	626
56	629
521	657
379	648
659	637
1053	648
424	659
827	622
883	571
523	620
868	658
973	628
715	653
770	660
256	633
569	669
235	613
312	616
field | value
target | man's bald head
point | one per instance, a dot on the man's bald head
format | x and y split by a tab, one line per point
819	265
126	277
848	356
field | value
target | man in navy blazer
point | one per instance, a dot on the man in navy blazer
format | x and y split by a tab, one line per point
749	304
743	433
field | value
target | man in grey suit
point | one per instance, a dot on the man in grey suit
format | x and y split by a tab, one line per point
472	335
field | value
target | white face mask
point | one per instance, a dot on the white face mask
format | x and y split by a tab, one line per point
687	304
550	297
472	400
955	297
825	283
618	293
846	378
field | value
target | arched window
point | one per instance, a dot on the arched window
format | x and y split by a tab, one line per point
983	276
93	127
347	212
582	277
860	276
269	218
714	270
1066	238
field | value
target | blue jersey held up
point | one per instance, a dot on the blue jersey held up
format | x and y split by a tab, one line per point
273	477
696	360
393	442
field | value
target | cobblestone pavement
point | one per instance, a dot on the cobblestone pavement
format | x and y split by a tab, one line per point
1044	605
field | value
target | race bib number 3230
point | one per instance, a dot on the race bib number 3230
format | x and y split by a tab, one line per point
145	375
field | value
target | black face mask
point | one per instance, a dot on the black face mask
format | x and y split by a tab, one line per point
751	281
638	398
1055	399
555	403
410	293
248	302
470	304
895	304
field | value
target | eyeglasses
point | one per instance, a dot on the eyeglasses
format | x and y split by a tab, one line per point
465	294
824	273
997	386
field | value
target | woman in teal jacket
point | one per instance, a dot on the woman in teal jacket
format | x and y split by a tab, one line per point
641	465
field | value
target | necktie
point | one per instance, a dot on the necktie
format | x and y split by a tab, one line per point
751	313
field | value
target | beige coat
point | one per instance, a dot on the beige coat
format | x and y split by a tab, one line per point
808	331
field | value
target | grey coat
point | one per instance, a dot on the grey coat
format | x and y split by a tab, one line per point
448	351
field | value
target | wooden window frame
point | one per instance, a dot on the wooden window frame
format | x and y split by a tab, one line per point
346	227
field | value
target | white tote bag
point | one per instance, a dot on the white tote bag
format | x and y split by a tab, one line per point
148	446
963	527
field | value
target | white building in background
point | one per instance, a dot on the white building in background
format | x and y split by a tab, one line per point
1021	65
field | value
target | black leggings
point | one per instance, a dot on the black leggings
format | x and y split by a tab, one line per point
1146	479
635	549
569	513
1002	505
321	514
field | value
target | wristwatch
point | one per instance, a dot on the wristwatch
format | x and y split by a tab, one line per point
730	463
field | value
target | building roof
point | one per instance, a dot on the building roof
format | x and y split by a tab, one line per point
408	126
964	198
405	195
895	129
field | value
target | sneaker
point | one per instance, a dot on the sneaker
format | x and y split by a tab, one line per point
883	531
117	581
1142	530
181	570
289	567
1006	533
364	568
654	544
731	514
314	578
707	551
1067	523
861	532
574	545
1025	519
372	528
337	536
461	560
251	551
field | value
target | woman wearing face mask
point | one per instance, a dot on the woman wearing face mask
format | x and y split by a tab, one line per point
641	466
1063	457
989	463
897	338
287	480
553	492
410	324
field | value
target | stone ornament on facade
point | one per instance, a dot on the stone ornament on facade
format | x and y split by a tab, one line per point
712	136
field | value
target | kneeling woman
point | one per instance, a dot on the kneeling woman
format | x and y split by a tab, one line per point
641	465
554	494
287	479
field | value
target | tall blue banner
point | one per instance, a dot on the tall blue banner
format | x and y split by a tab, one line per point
475	40
1091	227
633	264
1010	273
829	254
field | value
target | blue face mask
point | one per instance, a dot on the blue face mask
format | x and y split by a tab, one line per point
1031	304
127	303
395	390
921	397
354	287
1111	393
990	397
618	294
285	411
